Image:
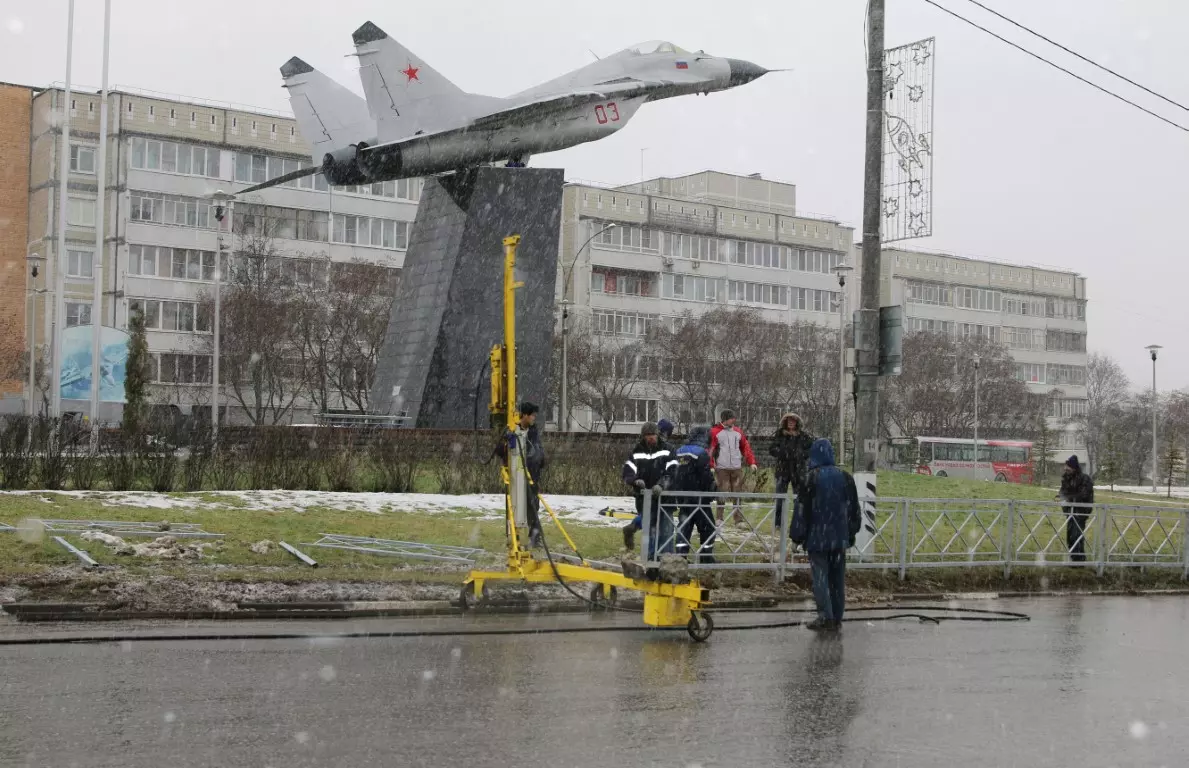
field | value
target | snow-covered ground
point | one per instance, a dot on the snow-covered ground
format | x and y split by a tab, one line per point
1177	493
584	509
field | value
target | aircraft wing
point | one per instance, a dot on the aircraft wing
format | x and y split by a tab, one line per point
526	113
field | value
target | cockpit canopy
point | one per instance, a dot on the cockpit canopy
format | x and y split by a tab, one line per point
655	46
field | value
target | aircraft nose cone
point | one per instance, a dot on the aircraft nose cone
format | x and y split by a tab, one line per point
744	71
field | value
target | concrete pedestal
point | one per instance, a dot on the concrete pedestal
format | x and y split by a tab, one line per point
449	310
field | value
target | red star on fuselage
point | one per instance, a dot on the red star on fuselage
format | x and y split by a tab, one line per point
411	74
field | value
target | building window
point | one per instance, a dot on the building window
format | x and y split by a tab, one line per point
1065	341
175	263
978	298
759	294
170	157
156	208
365	230
813	300
179	316
77	313
933	294
171	368
1071	375
822	262
79	264
80	212
1032	373
691	288
82	159
613	323
625	283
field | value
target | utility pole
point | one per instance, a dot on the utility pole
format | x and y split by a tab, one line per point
100	231
867	317
1153	349
59	324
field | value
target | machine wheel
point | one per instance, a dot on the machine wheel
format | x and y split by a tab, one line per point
941	474
596	596
467	598
1001	478
700	626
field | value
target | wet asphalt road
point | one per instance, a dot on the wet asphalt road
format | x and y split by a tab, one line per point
1089	682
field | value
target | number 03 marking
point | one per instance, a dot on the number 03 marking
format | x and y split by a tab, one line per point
608	113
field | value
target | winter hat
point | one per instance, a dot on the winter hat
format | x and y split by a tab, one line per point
1072	463
649	428
665	427
784	420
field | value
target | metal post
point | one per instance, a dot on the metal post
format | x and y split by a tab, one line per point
216	321
976	361
784	532
1100	547
100	231
841	271
33	340
905	524
1009	545
867	336
1155	401
1185	543
564	421
646	529
60	255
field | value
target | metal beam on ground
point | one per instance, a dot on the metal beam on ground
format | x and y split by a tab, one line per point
302	556
130	528
80	554
394	548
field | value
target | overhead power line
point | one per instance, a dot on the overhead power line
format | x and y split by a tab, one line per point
1080	56
1094	85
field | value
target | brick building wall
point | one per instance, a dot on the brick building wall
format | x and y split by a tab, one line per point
15	106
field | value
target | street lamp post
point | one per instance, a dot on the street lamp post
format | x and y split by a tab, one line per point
33	291
976	362
567	276
1153	348
841	270
223	202
59	324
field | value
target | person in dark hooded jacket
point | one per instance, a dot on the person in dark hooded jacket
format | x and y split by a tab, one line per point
651	466
695	474
1078	488
790	448
826	523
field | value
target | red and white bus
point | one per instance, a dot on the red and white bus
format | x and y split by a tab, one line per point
1004	461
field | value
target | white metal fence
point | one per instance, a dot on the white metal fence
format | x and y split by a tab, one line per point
906	534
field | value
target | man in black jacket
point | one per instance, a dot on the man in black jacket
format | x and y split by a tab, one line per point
651	465
791	451
1078	488
694	474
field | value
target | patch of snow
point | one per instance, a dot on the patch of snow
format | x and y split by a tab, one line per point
115	542
579	509
261	547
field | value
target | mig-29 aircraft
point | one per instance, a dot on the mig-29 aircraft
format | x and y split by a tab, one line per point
415	122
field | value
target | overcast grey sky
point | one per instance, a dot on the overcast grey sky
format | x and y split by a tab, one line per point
1031	166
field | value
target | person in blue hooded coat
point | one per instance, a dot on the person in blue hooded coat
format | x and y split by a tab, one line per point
695	474
826	523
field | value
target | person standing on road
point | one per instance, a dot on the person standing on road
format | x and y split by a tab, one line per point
1076	488
730	451
651	466
791	451
826	523
694	512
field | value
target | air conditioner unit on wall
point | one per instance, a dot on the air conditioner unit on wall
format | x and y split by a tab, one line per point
667	261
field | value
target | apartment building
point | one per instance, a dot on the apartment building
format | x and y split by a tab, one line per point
16	103
691	244
1038	314
165	157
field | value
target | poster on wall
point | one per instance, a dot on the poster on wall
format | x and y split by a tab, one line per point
75	376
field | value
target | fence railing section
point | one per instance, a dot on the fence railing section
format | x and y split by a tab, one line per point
749	531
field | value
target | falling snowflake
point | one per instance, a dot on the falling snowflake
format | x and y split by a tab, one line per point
302	737
428	675
16	26
170	717
327	673
1139	729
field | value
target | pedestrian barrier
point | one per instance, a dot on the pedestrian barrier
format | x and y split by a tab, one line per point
921	533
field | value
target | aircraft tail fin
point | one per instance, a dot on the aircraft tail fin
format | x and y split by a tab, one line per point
329	115
403	92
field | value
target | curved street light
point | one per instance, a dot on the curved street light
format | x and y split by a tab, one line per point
567	276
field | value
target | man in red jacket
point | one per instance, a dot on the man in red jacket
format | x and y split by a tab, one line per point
730	451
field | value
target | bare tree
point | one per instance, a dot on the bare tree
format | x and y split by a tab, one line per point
935	393
260	356
1106	392
606	372
683	356
14	368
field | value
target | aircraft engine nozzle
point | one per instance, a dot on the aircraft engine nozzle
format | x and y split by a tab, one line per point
744	72
341	167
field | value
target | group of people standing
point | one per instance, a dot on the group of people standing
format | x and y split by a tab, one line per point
826	515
